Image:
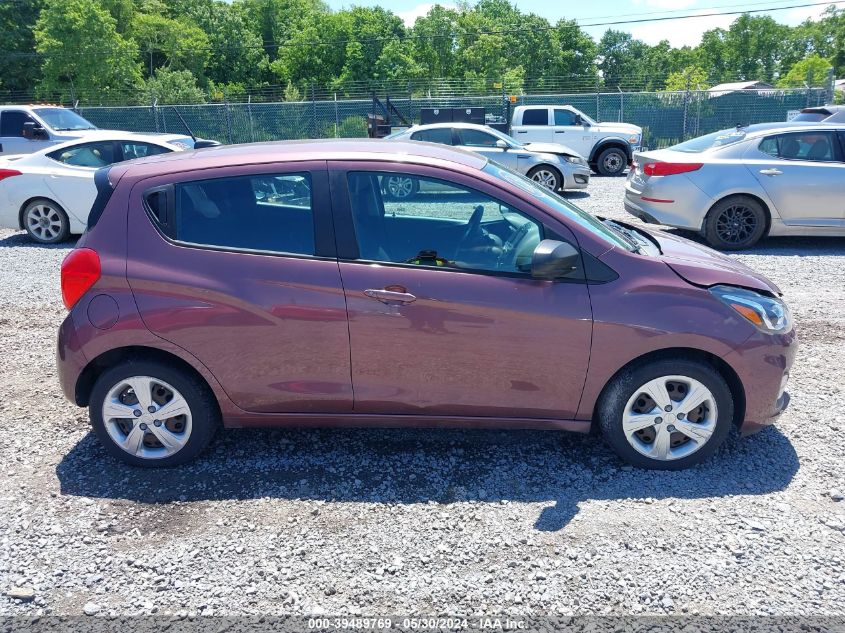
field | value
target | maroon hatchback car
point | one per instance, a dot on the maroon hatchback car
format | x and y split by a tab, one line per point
280	284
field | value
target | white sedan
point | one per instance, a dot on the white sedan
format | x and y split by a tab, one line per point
50	193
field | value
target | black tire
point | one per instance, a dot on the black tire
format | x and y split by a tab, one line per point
612	162
617	393
204	410
554	185
401	187
45	221
735	223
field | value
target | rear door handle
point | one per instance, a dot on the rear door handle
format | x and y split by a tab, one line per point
560	131
771	172
521	131
390	296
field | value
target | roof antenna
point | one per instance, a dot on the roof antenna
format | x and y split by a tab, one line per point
190	133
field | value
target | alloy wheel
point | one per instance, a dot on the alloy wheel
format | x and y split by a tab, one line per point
147	417
44	222
736	224
670	417
545	178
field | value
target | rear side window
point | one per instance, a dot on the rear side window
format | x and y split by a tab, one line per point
11	122
135	149
442	135
535	116
270	212
809	146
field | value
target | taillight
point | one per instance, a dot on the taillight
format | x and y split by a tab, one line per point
8	173
670	169
80	271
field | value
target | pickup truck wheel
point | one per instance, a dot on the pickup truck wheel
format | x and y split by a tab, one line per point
548	177
612	162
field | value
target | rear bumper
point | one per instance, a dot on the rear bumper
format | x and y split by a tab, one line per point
681	205
70	359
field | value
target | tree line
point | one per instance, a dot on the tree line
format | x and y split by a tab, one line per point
188	51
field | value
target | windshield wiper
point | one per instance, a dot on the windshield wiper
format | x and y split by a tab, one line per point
625	234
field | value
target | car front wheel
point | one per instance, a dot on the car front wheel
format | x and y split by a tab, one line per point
666	415
547	177
149	414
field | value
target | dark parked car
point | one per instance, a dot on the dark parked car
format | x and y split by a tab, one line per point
198	299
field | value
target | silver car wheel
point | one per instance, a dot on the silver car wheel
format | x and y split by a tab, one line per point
670	417
147	417
546	178
400	187
43	222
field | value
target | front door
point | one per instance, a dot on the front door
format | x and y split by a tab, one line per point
237	266
803	174
444	317
484	143
576	136
12	140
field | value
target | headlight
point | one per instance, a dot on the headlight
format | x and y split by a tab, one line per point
767	313
577	160
634	139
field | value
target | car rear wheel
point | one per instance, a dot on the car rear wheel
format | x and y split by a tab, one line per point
46	222
612	162
546	176
666	415
149	414
401	187
735	223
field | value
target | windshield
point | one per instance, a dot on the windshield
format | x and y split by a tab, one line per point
564	207
711	141
813	117
63	119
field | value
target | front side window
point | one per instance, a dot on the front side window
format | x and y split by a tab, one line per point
443	225
476	138
264	213
564	117
12	122
809	146
442	135
95	154
535	116
137	149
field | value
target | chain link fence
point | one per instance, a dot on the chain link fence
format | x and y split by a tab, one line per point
666	117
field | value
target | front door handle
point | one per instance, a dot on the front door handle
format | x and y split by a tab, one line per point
390	296
521	131
560	131
771	172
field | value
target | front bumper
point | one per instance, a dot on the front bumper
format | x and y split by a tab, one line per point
577	178
763	364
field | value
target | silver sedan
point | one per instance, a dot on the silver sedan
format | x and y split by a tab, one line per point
740	184
556	167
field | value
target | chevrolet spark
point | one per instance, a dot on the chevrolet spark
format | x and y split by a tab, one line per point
277	284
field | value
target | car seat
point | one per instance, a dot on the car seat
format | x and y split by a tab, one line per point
368	216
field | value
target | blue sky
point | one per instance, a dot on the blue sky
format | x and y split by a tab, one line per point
678	32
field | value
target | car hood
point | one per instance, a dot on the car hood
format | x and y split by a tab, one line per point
621	128
551	148
703	266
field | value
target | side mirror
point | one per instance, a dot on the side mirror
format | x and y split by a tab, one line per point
554	260
32	131
501	144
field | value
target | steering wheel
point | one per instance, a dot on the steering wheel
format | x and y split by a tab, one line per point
509	252
473	225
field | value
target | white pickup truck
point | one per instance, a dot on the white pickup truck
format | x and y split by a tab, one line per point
608	147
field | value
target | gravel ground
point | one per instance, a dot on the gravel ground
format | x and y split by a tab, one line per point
408	521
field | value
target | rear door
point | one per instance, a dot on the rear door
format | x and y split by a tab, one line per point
237	266
444	316
534	127
803	174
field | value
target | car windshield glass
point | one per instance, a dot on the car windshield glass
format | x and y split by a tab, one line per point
63	119
395	135
508	139
564	207
813	117
711	141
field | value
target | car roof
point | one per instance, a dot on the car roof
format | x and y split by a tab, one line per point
413	152
825	109
112	135
447	124
758	129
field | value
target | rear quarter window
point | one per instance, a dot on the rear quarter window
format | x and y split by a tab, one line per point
535	116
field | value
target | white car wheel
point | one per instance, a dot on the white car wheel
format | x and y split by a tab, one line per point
46	222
